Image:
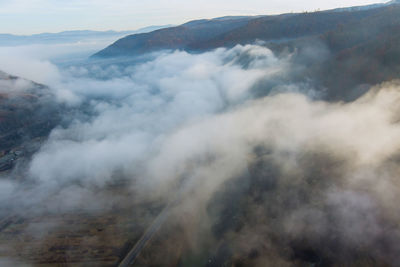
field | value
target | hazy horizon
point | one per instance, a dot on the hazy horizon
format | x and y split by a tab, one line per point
23	17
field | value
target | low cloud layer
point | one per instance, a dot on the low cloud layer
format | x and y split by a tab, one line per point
136	111
293	180
281	180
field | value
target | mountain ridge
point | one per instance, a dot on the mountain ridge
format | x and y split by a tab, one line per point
72	36
225	31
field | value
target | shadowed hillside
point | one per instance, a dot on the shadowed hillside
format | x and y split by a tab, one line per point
227	32
179	37
27	115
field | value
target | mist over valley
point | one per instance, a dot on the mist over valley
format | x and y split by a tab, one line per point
237	141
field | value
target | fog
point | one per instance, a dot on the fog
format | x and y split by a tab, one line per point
277	175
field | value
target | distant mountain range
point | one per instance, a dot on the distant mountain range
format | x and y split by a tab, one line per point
69	36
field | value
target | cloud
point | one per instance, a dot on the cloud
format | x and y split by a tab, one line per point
22	63
136	109
279	179
319	177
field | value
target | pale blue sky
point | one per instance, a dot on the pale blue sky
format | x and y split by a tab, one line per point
36	16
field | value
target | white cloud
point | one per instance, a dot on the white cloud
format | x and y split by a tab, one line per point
181	125
151	100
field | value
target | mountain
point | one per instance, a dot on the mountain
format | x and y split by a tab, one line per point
282	28
27	114
202	35
69	36
360	42
367	51
359	8
179	37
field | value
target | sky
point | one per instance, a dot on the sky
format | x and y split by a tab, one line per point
37	16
